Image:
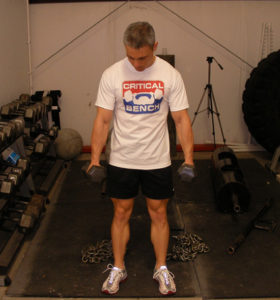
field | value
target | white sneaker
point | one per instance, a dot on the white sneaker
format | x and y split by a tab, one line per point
166	281
112	283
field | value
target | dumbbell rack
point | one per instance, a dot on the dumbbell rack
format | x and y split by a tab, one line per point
11	235
23	200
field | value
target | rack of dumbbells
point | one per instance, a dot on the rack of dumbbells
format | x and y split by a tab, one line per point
28	169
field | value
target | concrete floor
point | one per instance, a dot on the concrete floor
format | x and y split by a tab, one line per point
262	157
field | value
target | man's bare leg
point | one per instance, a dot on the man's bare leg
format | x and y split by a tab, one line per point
159	229
120	231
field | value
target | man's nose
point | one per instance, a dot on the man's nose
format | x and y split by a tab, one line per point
136	63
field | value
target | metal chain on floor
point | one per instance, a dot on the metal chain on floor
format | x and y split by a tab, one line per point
100	252
185	247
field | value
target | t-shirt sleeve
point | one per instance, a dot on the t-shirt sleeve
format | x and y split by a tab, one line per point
178	99
105	94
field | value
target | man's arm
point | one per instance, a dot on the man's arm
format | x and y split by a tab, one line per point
99	134
185	134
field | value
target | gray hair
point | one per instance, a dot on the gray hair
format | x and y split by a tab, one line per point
139	34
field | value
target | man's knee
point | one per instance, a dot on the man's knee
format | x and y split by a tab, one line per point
122	209
157	210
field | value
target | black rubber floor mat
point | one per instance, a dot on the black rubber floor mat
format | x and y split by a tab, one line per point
53	268
254	270
81	216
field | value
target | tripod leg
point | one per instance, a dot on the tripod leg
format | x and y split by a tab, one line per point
210	109
218	116
200	102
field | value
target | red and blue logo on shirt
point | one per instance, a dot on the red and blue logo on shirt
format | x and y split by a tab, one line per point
142	97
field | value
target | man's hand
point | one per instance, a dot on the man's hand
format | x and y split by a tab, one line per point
94	173
187	172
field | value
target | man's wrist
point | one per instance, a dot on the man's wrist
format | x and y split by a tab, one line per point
189	162
95	161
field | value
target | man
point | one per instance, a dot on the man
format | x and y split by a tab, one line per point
137	93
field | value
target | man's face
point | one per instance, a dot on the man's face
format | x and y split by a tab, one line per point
141	58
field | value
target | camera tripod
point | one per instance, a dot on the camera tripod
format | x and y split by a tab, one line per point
211	101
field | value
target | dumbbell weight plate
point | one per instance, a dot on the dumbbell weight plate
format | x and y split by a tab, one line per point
96	174
7	186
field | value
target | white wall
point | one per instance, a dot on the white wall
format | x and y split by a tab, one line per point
77	69
14	79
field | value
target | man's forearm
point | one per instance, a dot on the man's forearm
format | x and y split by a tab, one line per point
185	136
99	134
186	140
98	140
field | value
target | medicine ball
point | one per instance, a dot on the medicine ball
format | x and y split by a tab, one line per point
68	144
261	102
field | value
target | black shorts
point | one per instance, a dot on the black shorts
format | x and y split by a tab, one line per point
125	183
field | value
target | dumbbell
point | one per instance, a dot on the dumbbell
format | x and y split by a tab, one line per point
9	109
187	172
47	100
33	211
10	129
53	132
3	139
95	174
35	129
41	110
24	98
42	145
19	125
26	215
12	173
24	164
6	186
31	113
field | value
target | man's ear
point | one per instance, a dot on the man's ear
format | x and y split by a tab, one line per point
155	46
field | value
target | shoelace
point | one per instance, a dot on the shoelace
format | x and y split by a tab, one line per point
166	275
114	274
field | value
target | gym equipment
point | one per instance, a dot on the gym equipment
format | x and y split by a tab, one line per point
17	218
273	166
186	247
11	175
24	98
29	168
10	156
98	253
261	100
30	111
9	129
7	186
42	144
50	99
187	172
33	211
24	163
68	144
229	185
19	125
51	177
53	132
7	255
251	225
3	139
96	174
55	95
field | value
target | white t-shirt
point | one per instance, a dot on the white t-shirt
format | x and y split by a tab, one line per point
141	101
